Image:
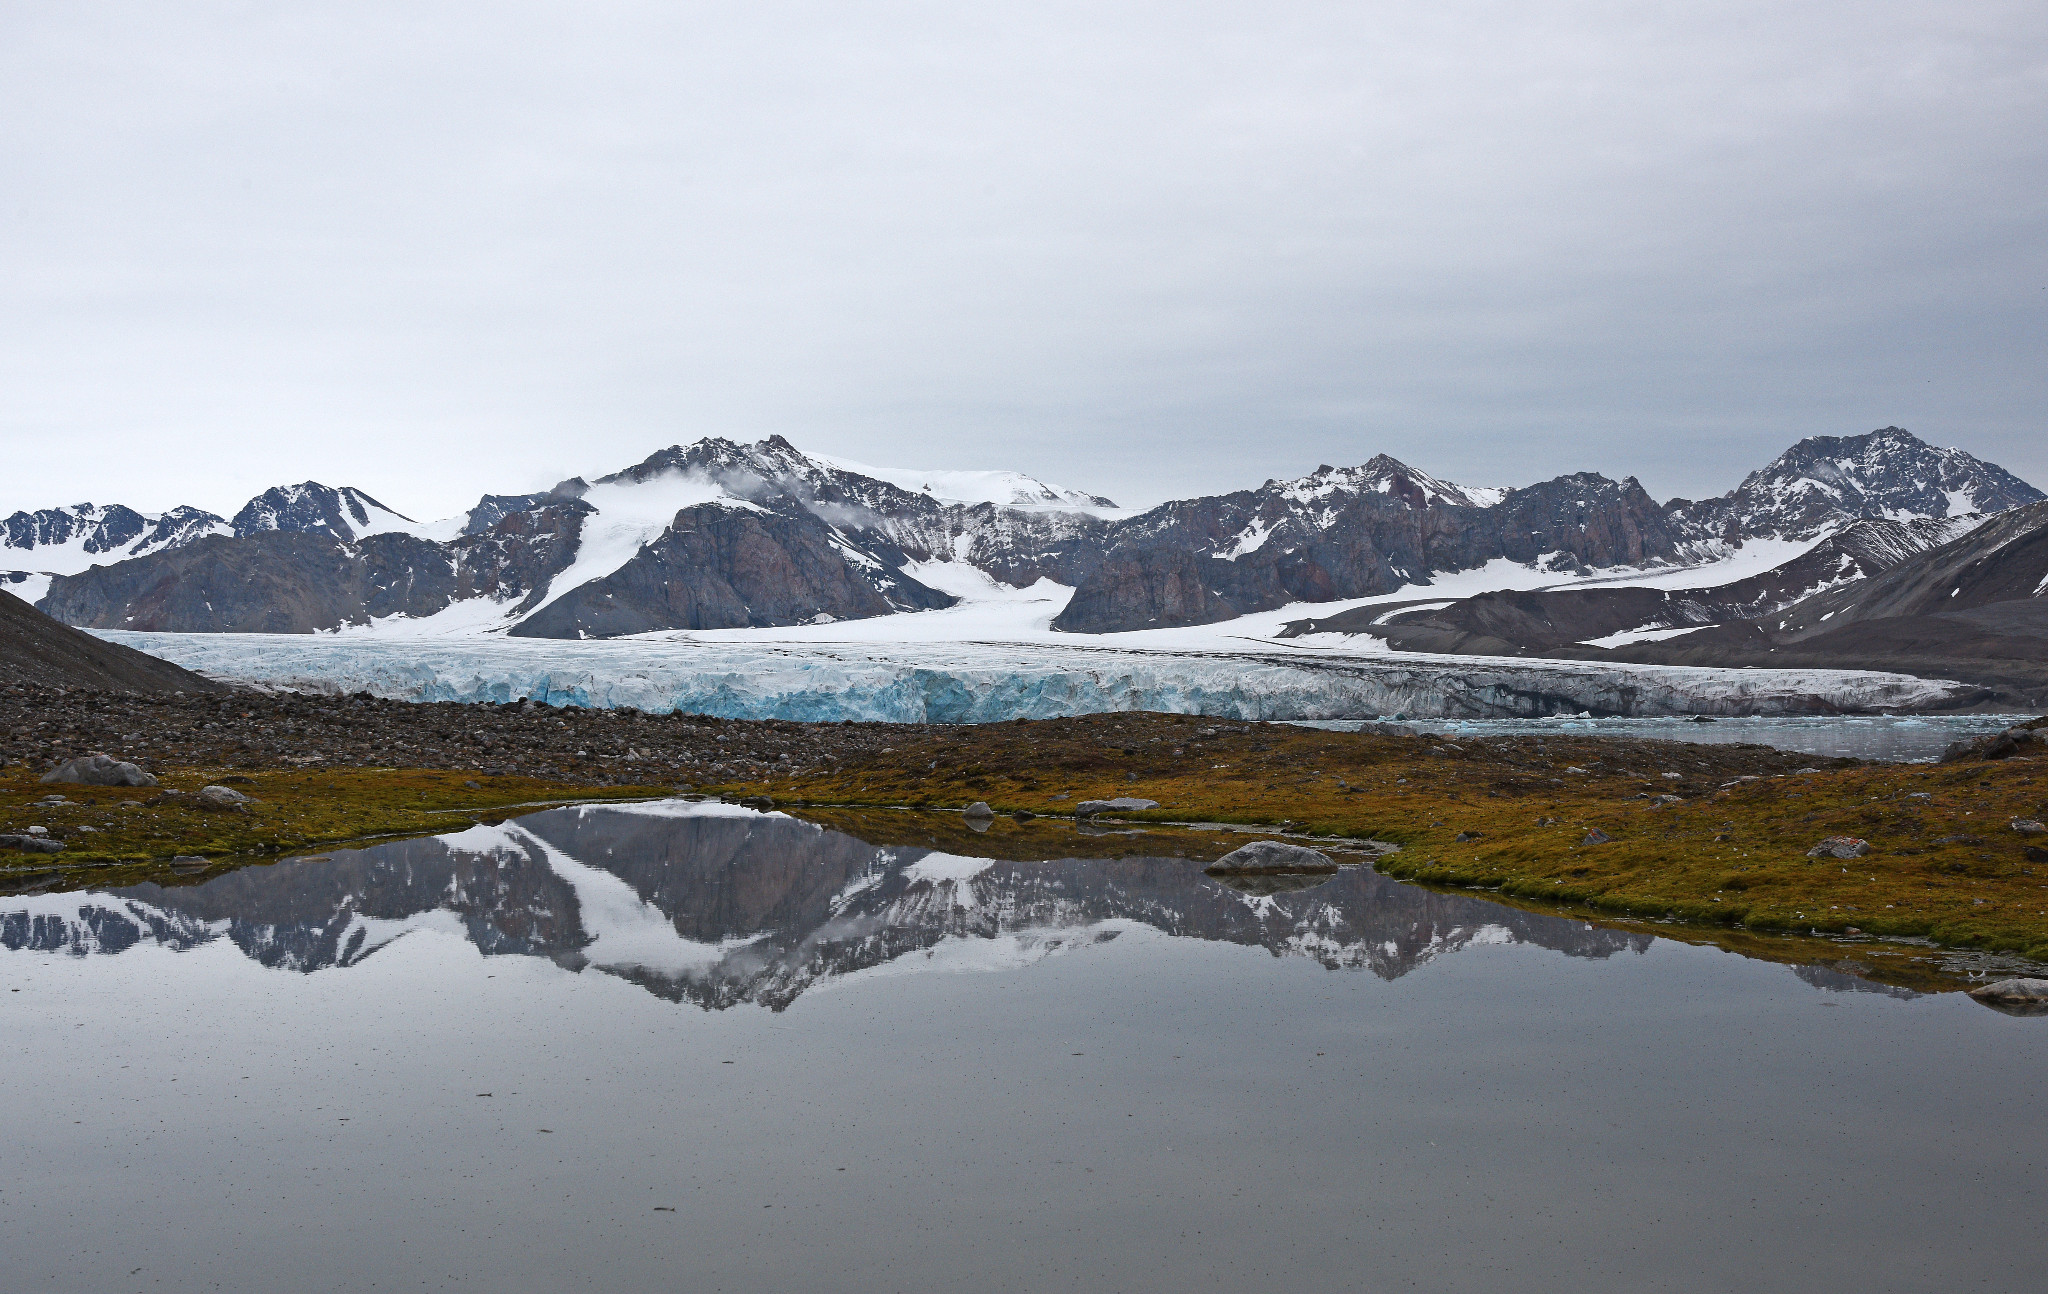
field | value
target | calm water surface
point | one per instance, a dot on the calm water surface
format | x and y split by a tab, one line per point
693	1047
1900	738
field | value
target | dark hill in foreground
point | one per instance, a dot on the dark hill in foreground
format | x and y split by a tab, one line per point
36	649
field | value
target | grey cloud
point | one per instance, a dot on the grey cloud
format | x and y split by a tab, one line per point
1145	249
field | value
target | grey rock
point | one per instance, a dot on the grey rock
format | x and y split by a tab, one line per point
1122	803
2029	827
1597	837
1839	847
2013	990
222	798
979	809
99	770
31	844
190	862
1271	857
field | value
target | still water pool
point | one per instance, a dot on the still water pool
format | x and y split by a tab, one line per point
694	1047
1897	738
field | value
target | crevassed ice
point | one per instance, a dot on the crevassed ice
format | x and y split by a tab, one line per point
939	682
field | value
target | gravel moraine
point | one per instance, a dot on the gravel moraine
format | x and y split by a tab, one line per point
42	725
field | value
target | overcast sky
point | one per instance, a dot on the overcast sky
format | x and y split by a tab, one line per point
1147	249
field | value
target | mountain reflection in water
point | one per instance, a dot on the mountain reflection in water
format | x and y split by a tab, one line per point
718	905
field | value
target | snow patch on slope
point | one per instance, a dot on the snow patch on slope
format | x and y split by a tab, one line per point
1012	490
630	516
1627	636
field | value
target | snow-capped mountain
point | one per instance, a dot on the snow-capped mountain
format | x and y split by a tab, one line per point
719	534
64	541
1824	482
1543	621
1392	476
1345	534
310	508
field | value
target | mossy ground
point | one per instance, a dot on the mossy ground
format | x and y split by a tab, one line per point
1721	851
133	830
1724	851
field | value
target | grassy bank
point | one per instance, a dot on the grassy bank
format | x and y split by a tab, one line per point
292	811
1715	834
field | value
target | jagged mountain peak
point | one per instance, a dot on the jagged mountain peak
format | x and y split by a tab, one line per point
311	508
1385	474
719	533
1826	481
34	546
774	465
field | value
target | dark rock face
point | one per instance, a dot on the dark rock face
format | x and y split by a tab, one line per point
495	508
309	508
35	649
1324	537
520	555
720	567
275	582
1152	588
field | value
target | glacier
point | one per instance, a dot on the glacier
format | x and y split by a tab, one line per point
985	682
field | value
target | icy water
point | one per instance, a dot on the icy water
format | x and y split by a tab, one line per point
1884	737
692	1047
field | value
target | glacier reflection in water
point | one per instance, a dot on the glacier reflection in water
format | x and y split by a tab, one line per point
720	905
498	1060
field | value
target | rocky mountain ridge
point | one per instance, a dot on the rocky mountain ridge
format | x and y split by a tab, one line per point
1889	473
38	651
718	534
1961	598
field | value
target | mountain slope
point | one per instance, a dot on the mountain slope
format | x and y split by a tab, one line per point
1972	608
720	534
1342	535
1542	621
310	508
64	541
1827	481
2003	561
37	650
